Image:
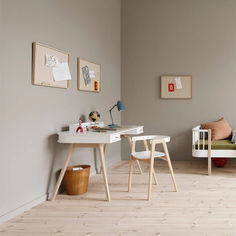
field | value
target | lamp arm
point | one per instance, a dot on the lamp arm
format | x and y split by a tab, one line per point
111	117
113	107
111	113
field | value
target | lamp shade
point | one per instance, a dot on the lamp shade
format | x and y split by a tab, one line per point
120	106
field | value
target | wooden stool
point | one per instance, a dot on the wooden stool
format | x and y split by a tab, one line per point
149	157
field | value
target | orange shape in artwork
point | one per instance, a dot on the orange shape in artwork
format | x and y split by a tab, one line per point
95	85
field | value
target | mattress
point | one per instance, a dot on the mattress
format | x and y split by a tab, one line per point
224	144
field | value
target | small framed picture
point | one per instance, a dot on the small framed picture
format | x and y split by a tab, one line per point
89	76
176	87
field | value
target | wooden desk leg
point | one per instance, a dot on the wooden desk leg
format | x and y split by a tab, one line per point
102	158
105	148
170	166
63	170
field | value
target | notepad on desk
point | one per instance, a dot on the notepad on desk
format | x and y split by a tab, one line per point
104	129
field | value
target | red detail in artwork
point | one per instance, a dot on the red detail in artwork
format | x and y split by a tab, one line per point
171	87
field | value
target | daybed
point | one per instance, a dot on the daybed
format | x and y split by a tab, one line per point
203	147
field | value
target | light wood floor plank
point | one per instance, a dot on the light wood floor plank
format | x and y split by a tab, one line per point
203	205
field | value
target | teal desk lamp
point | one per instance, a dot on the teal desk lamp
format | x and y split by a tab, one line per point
120	106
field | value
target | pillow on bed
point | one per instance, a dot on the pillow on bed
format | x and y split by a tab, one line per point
219	129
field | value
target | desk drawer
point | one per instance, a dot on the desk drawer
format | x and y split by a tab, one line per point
138	130
114	138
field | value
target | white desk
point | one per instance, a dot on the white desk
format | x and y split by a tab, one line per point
94	140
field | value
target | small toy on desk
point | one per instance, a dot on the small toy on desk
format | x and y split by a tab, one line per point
94	116
80	129
87	126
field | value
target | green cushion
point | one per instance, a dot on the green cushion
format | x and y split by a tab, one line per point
225	144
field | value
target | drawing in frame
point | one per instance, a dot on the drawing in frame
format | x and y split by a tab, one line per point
42	74
89	76
176	87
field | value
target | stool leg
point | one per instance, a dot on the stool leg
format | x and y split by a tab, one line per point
170	166
139	167
130	144
154	176
130	173
150	178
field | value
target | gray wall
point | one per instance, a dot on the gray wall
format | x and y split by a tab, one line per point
32	115
196	37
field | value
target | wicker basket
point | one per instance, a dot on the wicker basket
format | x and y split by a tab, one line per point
77	180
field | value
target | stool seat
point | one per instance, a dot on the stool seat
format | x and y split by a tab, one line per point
145	155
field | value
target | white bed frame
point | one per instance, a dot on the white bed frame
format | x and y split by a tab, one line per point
197	134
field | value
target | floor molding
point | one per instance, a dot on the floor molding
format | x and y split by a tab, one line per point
19	210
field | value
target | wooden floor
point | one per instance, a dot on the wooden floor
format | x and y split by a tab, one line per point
204	205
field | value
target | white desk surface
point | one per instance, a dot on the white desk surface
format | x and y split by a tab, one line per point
98	137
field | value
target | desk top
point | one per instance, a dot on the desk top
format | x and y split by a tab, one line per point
98	137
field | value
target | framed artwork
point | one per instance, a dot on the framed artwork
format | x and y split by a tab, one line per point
176	87
89	76
50	67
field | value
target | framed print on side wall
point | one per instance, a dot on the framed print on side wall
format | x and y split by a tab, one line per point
176	87
89	76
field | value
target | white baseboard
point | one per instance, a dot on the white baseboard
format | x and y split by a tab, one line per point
11	214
